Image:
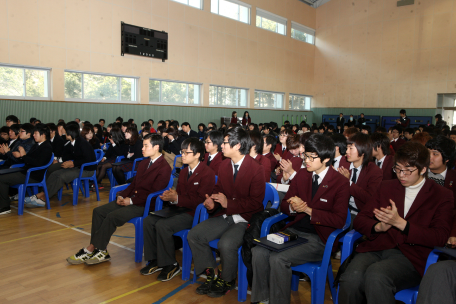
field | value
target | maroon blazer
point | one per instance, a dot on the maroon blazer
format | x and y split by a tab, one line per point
264	161
296	163
387	168
366	185
429	221
245	195
246	122
234	120
397	144
272	159
329	205
344	163
148	181
192	191
215	163
450	184
278	150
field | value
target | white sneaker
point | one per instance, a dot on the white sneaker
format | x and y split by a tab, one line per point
14	197
34	202
337	255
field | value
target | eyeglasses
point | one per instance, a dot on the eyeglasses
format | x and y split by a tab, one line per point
405	172
208	142
225	142
185	152
310	157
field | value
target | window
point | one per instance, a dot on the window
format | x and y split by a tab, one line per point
271	100
270	21
303	33
227	97
299	102
20	82
194	3
174	92
80	86
233	9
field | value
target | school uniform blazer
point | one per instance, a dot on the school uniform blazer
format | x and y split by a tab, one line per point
37	156
83	153
148	181
343	162
136	149
340	121
264	161
366	185
57	146
246	122
329	205
234	120
272	159
24	143
429	221
192	191
296	163
387	168
245	195
397	144
278	150
450	184
215	163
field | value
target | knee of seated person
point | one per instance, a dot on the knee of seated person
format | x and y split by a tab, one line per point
277	259
376	275
352	277
192	236
224	245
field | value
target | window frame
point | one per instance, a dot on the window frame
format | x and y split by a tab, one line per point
119	77
272	17
200	103
271	92
303	29
229	87
299	95
188	1
24	84
239	3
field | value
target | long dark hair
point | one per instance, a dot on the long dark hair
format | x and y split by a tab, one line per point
134	136
85	130
246	117
117	135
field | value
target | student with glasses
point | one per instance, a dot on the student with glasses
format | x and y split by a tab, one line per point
24	140
282	147
406	218
214	156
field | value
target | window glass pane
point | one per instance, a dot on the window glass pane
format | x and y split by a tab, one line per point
154	90
36	83
279	101
182	1
212	95
193	94
128	91
101	87
243	98
229	9
301	36
281	29
174	92
214	6
299	102
307	106
11	81
73	85
195	3
268	100
269	24
226	96
258	21
244	14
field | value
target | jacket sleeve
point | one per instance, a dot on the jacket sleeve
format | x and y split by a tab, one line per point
365	220
40	158
337	215
194	198
138	149
83	153
365	194
292	191
58	148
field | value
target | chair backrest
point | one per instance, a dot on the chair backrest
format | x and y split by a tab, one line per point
216	179
98	155
272	196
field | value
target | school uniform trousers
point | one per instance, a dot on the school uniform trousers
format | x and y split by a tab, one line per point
244	195
150	177
329	202
158	231
438	284
395	260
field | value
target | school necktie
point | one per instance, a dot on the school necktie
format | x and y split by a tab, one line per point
379	164
150	163
334	162
189	174
354	175
235	171
315	185
209	160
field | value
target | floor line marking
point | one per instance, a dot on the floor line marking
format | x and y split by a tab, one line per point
73	228
129	293
172	293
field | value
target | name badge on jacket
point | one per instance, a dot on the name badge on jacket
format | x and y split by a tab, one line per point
196	183
323	200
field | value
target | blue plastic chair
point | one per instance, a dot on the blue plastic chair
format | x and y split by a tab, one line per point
407	296
23	187
138	221
2	162
18	165
317	271
82	183
132	173
271	195
173	172
111	178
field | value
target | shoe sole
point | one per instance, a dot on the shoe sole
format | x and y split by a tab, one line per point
74	262
5	212
211	295
174	274
201	292
149	273
96	262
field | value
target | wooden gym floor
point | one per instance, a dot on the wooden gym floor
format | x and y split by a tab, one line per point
33	267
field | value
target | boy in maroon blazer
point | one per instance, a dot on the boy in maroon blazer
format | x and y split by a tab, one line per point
151	176
380	152
397	141
238	195
270	143
442	154
403	222
194	182
214	156
256	152
317	204
340	160
364	176
291	160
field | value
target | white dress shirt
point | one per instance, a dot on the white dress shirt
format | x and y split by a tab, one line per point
351	202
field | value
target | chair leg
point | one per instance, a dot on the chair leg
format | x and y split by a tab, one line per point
59	194
242	278
331	282
318	288
186	258
20	203
86	188
139	240
48	203
294	282
75	192
95	184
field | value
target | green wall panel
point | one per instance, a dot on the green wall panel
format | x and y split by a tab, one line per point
48	111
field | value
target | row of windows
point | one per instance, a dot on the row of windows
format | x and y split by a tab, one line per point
25	82
240	11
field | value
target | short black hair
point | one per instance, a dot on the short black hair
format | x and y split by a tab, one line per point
409	130
382	141
27	127
15	128
52	127
453	132
439	116
237	135
257	141
214	125
397	128
43	129
155	140
363	144
195	145
61	124
381	130
271	140
12	118
323	146
402	111
102	120
120	119
4	129
150	119
175	124
72	130
341	142
367	128
216	138
445	146
186	124
32	119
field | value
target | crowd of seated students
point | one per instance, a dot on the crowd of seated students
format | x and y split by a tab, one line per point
397	185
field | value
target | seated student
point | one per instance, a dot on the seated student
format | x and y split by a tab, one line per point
282	147
153	175
172	146
38	156
134	151
61	130
238	195
151	129
408	133
365	177
437	285
256	152
98	131
340	160
304	128
381	154
269	145
315	212
322	129
403	222
24	140
117	148
291	160
88	133
396	142
365	129
56	141
144	125
4	135
102	122
195	181
11	120
212	125
82	153
202	130
331	129
214	156
188	130
13	140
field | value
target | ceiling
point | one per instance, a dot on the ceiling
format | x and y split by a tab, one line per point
314	3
